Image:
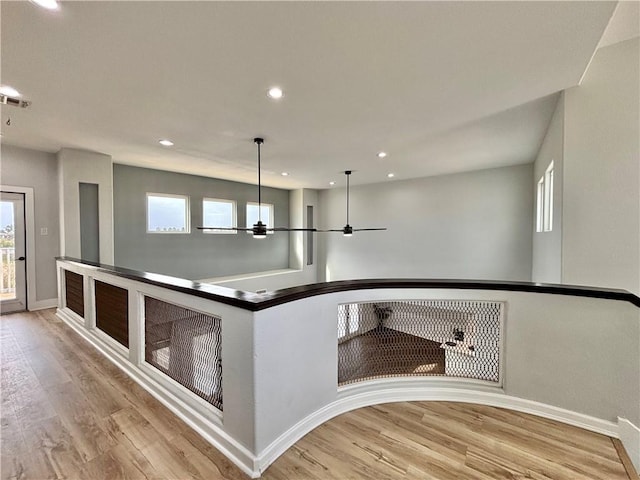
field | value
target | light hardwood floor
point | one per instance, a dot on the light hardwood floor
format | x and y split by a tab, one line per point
68	413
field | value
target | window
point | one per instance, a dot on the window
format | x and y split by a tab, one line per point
266	214
167	213
544	201
218	213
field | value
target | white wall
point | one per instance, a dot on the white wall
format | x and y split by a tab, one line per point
75	166
547	246
574	353
34	169
601	230
469	225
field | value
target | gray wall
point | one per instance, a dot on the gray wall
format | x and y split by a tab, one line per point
23	167
195	255
469	225
601	227
547	246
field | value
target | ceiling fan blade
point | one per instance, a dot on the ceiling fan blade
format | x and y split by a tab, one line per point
367	229
233	229
285	229
336	230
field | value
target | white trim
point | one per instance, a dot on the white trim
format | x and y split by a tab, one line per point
629	435
43	304
197	418
30	238
429	390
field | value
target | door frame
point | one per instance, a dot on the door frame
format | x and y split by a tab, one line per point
29	238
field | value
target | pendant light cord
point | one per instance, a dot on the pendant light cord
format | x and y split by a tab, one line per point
259	141
259	188
348	174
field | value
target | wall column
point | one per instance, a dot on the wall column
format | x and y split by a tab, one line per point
81	166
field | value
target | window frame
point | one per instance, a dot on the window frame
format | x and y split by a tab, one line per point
270	223
234	216
544	200
187	212
540	204
548	197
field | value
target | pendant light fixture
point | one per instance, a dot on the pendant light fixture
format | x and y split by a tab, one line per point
348	230
259	229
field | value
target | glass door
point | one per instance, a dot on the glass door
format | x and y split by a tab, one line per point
13	285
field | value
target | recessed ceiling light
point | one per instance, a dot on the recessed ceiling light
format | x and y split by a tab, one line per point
382	154
9	91
275	93
332	183
285	174
166	143
48	4
391	175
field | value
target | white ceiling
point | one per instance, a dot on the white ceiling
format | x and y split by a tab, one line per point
442	86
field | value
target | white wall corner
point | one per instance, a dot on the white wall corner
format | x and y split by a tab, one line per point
629	435
75	166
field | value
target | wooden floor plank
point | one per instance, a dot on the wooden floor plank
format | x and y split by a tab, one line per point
67	412
52	451
624	458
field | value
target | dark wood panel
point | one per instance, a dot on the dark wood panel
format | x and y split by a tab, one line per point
255	302
112	311
74	292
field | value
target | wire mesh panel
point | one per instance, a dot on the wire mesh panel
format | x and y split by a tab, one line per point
454	338
187	346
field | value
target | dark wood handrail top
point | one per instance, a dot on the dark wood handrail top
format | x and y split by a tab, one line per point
260	301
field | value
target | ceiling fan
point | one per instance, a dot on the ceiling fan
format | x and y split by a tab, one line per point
348	230
260	229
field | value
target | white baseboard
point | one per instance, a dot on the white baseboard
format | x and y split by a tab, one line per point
629	435
43	304
437	391
199	420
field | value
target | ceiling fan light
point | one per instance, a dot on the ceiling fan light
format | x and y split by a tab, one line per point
259	230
